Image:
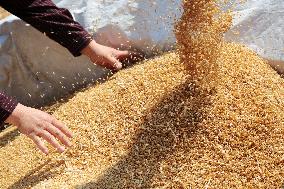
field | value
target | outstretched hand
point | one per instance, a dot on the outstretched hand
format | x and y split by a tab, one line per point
105	56
38	125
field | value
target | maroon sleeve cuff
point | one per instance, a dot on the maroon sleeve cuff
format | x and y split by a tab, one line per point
7	106
83	42
56	23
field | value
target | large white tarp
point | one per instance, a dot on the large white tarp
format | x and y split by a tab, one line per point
260	25
36	69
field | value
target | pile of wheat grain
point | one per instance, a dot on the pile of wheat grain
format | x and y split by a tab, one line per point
147	127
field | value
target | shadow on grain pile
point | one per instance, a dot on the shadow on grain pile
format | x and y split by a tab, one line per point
41	173
165	134
8	136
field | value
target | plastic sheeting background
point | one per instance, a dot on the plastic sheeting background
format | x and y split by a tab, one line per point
36	70
260	25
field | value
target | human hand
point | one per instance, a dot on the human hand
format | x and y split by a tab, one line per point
38	125
105	56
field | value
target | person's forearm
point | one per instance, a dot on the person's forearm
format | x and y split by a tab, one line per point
7	106
56	23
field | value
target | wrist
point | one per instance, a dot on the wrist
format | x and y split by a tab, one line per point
88	50
15	116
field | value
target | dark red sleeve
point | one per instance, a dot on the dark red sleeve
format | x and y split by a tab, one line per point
7	106
56	23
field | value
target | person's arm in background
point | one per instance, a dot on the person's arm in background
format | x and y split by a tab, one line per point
58	24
